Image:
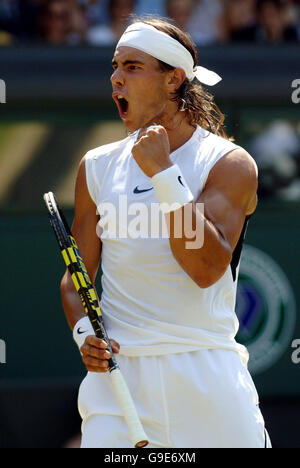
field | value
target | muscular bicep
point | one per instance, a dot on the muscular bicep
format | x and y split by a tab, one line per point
230	194
85	223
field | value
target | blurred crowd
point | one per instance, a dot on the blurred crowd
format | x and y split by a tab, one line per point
102	22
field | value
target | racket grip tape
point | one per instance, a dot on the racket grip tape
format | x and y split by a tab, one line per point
138	436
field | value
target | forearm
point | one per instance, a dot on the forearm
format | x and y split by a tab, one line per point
71	301
197	245
94	350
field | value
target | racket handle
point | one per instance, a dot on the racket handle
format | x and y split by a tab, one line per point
138	436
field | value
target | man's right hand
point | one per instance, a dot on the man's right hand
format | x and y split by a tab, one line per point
95	354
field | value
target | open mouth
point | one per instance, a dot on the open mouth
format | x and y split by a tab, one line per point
122	104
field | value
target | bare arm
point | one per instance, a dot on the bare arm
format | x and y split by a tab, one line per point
84	232
228	197
94	354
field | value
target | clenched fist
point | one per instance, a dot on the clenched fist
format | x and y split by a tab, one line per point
152	150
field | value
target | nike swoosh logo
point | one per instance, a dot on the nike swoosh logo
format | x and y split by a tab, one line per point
180	181
137	190
80	332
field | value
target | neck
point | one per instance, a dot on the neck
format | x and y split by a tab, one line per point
178	128
177	140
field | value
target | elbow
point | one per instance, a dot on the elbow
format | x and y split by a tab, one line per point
66	285
63	285
207	280
212	273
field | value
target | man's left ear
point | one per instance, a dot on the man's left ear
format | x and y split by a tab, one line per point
176	79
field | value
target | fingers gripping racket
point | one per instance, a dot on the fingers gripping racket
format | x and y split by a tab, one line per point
87	293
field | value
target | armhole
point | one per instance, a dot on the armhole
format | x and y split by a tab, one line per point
236	256
90	178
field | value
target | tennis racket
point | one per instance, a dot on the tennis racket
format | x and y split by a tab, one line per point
88	295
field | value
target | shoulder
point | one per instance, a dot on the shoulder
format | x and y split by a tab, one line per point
218	154
212	148
227	155
215	143
110	149
236	175
237	163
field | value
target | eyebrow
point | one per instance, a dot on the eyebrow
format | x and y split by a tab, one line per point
127	62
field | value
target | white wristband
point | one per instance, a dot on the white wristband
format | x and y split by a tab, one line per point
82	329
171	189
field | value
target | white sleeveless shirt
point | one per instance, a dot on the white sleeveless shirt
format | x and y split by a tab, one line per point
150	304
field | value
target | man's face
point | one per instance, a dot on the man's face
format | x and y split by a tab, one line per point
139	88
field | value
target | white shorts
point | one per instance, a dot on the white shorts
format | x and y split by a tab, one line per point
199	399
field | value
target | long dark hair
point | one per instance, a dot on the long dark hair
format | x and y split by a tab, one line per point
191	97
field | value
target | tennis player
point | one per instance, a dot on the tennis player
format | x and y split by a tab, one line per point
168	303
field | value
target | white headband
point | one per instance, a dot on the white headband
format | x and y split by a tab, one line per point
160	45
